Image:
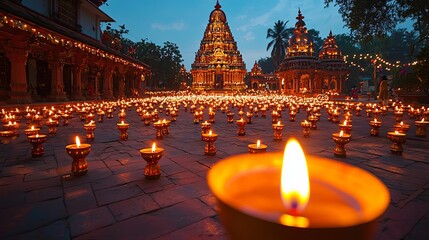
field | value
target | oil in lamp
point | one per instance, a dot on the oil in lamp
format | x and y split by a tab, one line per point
89	128
152	157
257	148
306	128
31	131
402	127
210	138
340	139
52	126
158	126
230	116
346	127
375	125
241	124
37	142
123	128
398	139
278	128
78	153
421	127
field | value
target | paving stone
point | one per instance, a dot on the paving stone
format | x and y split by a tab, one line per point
90	220
133	207
79	198
57	230
179	194
118	193
44	194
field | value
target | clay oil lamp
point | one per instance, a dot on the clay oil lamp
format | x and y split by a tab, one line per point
155	116
358	111
306	128
52	126
421	127
78	153
165	126
211	116
274	116
230	116
173	115
346	127
376	113
401	127
196	117
249	117
383	111
257	147
152	156
398	115
123	130
296	196
28	118
335	115
109	113
146	117
313	120
158	126
122	115
375	125
340	139
210	138
31	131
278	128
37	141
66	117
89	117
205	127
398	139
100	116
89	128
292	115
241	127
6	136
264	112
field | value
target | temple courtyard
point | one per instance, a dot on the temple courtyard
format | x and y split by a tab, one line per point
41	199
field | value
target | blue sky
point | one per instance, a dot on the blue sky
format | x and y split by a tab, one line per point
183	21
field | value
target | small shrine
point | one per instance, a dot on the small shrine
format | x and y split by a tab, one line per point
218	64
302	72
261	81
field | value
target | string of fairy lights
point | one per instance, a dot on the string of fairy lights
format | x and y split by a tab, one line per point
69	43
376	59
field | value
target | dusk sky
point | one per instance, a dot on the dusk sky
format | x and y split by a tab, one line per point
183	22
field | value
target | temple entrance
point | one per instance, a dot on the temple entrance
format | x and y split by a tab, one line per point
218	84
43	79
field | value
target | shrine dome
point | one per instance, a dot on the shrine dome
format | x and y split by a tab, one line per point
217	14
330	49
301	43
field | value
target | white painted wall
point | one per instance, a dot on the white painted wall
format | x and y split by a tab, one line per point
40	6
90	24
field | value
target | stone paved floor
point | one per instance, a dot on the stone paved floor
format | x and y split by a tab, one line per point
115	201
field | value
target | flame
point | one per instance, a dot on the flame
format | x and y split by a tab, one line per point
37	135
210	132
396	132
258	143
122	122
77	142
50	120
295	183
402	123
278	123
91	122
341	133
32	127
375	119
345	122
153	147
423	119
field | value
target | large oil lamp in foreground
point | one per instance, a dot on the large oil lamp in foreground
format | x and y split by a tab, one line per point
257	147
152	157
123	129
398	139
37	142
78	153
340	139
210	138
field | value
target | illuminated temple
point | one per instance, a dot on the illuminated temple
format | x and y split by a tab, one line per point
302	72
218	64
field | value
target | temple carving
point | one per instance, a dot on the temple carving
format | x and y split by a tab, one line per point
218	64
302	72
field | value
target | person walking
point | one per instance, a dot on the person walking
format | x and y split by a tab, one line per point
383	94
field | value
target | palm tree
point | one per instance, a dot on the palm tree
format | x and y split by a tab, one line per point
279	42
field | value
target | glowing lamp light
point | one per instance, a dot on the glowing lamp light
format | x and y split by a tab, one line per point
423	119
77	142
32	127
278	123
295	183
122	122
375	119
258	144
153	147
210	133
341	133
345	122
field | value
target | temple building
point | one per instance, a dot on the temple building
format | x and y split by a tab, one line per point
218	64
262	81
302	72
52	50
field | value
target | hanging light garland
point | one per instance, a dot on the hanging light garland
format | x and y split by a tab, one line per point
57	39
374	58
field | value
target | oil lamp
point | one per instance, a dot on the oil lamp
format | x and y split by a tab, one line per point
52	126
278	128
109	113
37	142
398	115
100	116
158	126
345	127
402	127
212	116
398	139
66	117
292	115
123	129
421	127
89	117
31	131
210	138
196	117
152	157
257	147
241	124
313	120
306	128
165	126
205	127
89	128
6	135
249	117
375	125
230	116
147	117
173	115
340	139
274	117
78	153
122	115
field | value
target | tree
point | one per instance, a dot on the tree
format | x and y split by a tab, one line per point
266	65
279	42
317	41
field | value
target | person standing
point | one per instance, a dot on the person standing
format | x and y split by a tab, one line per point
383	94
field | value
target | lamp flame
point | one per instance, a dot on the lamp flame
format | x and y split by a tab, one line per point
295	183
341	133
278	123
423	119
345	122
77	142
153	147
258	143
122	122
402	123
210	132
32	127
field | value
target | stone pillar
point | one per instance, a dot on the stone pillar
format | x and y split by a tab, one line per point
77	83
57	86
18	78
121	86
107	82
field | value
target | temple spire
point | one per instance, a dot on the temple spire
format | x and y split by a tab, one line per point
300	17
218	6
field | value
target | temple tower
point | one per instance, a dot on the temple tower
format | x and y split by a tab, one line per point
218	64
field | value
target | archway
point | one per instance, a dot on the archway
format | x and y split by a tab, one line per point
255	85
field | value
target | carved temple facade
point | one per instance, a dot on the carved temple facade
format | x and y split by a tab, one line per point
218	64
51	50
302	72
